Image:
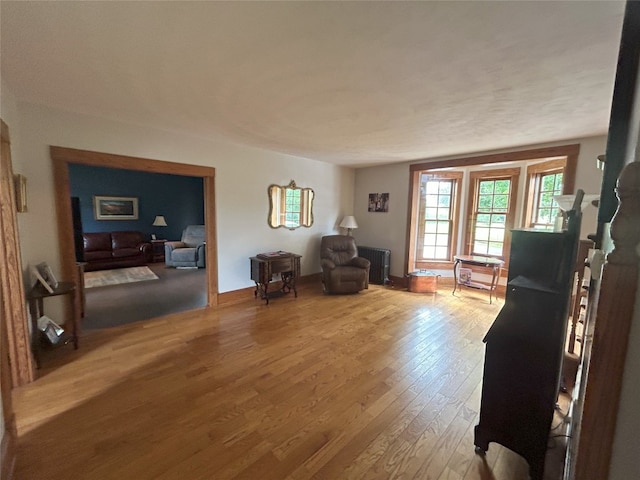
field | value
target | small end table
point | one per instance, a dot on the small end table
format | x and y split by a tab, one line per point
36	298
157	250
489	262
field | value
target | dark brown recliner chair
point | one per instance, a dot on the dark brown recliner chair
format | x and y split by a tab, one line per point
342	270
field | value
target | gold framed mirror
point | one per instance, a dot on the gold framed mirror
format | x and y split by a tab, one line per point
290	206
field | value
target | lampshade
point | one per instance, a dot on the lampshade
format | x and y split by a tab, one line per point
565	202
349	222
159	221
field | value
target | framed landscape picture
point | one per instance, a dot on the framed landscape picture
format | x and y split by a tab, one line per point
115	208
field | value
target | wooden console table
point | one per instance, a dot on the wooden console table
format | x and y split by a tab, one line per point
36	298
489	262
264	267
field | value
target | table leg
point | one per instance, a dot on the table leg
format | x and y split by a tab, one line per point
455	277
493	282
75	321
35	345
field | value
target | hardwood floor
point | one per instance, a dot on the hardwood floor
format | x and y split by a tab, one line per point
382	384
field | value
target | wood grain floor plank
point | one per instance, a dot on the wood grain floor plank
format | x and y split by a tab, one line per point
384	384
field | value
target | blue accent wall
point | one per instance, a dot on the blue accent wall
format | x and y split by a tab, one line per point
179	198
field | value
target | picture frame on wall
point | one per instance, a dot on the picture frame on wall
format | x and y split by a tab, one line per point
115	208
378	202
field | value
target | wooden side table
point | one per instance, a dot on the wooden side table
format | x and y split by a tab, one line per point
36	298
263	268
489	262
157	250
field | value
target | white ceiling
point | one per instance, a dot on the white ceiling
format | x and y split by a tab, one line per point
351	83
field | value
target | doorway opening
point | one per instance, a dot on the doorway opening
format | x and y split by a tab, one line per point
63	157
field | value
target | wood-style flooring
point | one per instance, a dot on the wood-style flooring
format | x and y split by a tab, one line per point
379	385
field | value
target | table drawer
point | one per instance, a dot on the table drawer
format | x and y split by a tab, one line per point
281	265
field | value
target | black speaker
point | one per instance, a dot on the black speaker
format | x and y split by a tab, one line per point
77	229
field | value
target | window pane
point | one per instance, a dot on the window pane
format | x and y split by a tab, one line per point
498	219
546	200
502	186
544	215
430	213
430	239
495	248
432	200
441	253
443	214
548	183
443	227
482	233
483	219
444	201
432	187
485	203
442	240
445	188
486	186
497	235
500	203
429	252
430	226
480	247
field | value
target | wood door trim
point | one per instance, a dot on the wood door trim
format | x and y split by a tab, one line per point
62	157
21	366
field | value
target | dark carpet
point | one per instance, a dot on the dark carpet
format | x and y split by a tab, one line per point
175	291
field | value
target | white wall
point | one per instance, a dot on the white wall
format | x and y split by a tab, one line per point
389	230
243	175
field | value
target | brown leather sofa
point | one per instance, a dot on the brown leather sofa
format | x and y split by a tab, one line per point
105	250
342	270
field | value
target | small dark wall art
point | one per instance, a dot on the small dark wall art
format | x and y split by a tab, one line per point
378	202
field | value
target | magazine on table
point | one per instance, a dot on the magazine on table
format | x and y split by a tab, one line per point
279	253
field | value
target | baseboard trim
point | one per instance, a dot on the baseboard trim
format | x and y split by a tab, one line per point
8	452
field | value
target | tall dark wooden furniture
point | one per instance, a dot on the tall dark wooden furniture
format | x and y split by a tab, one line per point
264	266
525	344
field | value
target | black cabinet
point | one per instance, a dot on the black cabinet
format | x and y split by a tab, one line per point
525	345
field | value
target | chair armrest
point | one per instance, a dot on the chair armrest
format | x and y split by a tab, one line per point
170	246
327	264
145	247
360	262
